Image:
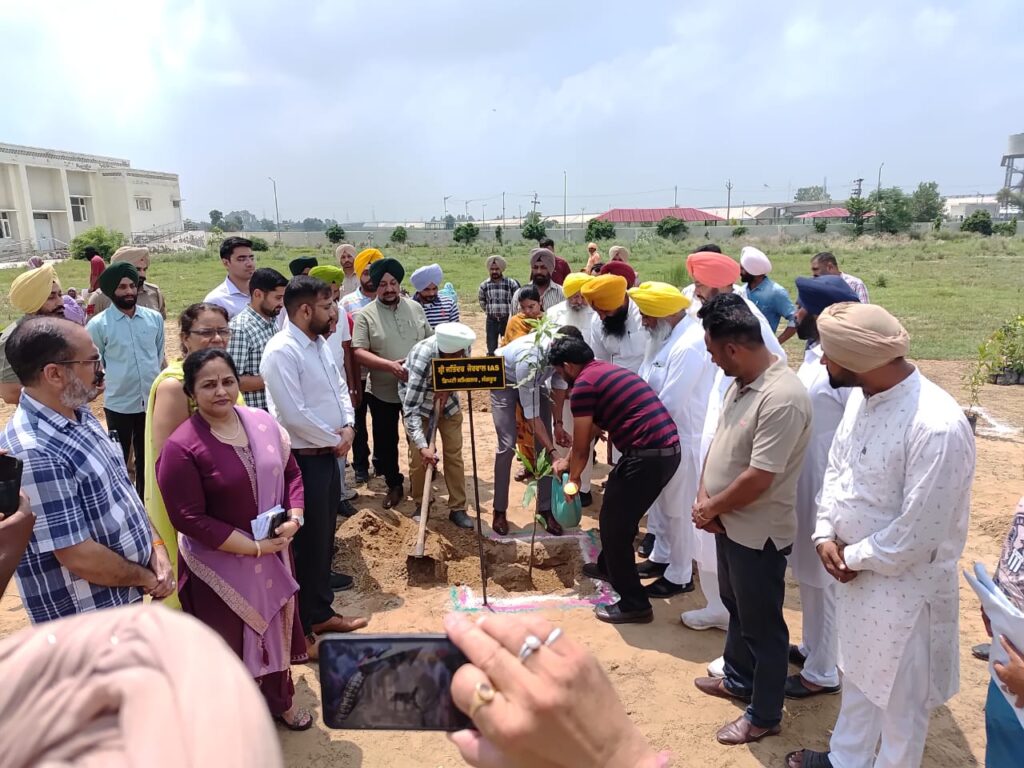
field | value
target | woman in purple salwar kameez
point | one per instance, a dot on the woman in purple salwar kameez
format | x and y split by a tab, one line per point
217	472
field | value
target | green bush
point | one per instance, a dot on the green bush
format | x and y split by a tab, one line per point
533	227
466	233
104	240
979	221
739	231
672	228
399	235
600	230
1006	228
259	244
499	234
1004	349
335	234
820	225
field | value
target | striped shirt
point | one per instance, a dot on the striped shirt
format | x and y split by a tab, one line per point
78	484
624	405
250	332
441	310
495	296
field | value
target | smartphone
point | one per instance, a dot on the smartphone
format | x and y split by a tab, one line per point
10	484
390	682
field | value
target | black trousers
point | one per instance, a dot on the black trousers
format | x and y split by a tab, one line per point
314	543
752	583
131	433
361	443
495	328
633	485
385	439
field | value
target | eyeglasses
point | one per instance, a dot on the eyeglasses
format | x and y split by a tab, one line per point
209	333
96	364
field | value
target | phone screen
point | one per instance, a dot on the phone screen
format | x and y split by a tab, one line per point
10	484
390	682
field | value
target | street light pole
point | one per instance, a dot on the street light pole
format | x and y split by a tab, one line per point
565	209
277	213
483	214
446	198
878	196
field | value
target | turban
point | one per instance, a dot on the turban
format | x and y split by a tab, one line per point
542	256
35	262
114	274
574	283
715	270
454	337
622	269
388	266
496	261
605	292
344	248
31	289
754	261
861	337
618	253
301	264
328	273
816	293
366	258
655	299
426	276
133	254
591	246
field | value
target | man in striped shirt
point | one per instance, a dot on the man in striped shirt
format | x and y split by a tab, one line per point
436	306
608	398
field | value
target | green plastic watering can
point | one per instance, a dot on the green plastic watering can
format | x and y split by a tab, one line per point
567	512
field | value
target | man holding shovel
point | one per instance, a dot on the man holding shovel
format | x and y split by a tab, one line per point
423	410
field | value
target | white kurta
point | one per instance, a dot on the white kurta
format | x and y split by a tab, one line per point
827	406
627	351
707	554
581	318
897	490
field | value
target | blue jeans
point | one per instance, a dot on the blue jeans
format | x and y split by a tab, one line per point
1003	730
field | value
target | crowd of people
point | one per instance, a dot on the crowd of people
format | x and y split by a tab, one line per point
854	470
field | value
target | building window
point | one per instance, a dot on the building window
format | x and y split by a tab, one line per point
78	210
144	203
5	225
176	203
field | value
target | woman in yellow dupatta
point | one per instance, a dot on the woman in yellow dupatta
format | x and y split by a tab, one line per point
202	326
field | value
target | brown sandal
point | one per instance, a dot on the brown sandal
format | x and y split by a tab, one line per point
303	721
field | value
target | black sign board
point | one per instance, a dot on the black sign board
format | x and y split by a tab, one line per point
468	373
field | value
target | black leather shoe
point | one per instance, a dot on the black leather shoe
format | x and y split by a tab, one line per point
394	497
646	545
797	688
339	582
651	570
345	509
613	614
586	498
795	657
593	571
665	588
460	518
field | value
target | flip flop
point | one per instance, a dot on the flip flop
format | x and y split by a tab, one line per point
303	721
811	759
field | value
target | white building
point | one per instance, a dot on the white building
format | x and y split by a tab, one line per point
48	196
959	207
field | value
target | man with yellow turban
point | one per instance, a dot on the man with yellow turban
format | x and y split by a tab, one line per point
576	313
892	524
346	255
678	368
34	292
149	295
617	331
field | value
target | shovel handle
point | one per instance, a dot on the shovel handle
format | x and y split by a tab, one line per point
428	478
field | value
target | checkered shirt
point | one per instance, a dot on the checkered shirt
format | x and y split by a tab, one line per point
495	297
250	333
78	484
417	394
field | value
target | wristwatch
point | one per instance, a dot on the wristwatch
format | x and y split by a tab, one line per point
299	520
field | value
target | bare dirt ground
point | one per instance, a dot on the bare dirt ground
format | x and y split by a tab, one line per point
652	666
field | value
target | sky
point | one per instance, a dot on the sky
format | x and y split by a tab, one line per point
363	110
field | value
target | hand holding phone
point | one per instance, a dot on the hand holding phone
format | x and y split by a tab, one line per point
10	484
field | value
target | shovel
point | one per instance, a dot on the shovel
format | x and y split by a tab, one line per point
419	566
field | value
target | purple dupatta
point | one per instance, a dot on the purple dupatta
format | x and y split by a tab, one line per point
260	590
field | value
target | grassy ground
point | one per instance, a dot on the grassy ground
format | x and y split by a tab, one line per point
950	293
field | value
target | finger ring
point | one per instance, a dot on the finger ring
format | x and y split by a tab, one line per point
555	634
483	694
530	644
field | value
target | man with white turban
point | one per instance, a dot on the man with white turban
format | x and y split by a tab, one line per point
892	523
346	255
34	292
714	273
438	307
770	297
677	367
495	299
150	295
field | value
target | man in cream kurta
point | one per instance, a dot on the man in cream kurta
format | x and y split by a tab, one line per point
892	523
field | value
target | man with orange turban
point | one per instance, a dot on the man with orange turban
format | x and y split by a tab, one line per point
35	292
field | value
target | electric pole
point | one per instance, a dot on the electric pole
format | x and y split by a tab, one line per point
565	198
483	214
446	198
675	196
535	201
502	207
856	187
728	201
277	213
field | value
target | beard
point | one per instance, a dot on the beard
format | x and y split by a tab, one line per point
124	302
541	280
615	325
319	329
746	277
845	379
76	394
659	335
807	329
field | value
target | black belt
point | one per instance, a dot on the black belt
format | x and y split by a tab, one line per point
651	453
312	451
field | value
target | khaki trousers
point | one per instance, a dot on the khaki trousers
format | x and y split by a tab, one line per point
449	431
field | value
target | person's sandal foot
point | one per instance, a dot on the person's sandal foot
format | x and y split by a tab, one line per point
798	688
301	720
807	758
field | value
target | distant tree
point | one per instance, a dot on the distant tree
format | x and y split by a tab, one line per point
979	221
259	244
1007	198
189	225
925	202
466	233
671	228
892	210
232	223
533	226
859	208
335	234
499	234
248	222
104	240
600	230
1007	228
266	225
449	222
216	218
810	194
330	222
399	235
313	225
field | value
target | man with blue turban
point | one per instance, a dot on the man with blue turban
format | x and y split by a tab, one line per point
438	307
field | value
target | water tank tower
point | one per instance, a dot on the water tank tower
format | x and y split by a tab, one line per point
1013	162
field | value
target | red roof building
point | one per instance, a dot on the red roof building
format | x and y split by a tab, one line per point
828	213
654	215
